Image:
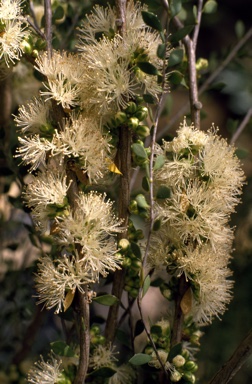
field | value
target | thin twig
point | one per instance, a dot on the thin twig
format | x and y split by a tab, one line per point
185	107
36	29
241	126
197	26
232	366
48	26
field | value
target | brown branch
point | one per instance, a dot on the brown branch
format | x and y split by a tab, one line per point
232	366
83	317
241	126
123	161
48	26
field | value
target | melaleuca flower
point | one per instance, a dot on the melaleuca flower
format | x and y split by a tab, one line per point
113	77
64	75
90	228
46	194
12	34
103	356
124	374
34	150
33	118
46	372
55	278
154	362
10	9
81	139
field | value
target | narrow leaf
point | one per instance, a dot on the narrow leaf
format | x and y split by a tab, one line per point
175	77
136	249
146	284
140	359
175	7
148	68
113	168
103	372
68	299
160	160
139	150
59	13
163	192
152	20
106	300
161	51
62	349
186	302
175	57
146	184
149	99
180	34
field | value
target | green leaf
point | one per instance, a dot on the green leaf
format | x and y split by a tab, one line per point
181	33
146	184
175	57
149	99
140	359
139	328
139	150
157	282
160	160
136	249
157	225
241	153
106	300
210	6
163	192
161	51
62	349
176	350
103	372
148	68
175	7
152	20
146	284
59	13
175	77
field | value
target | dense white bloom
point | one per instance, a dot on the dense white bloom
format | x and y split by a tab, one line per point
46	194
34	150
154	362
81	139
10	41
113	77
33	116
46	372
103	356
10	9
91	227
64	75
55	278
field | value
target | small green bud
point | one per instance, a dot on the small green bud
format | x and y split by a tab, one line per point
190	366
143	131
185	353
141	201
131	108
35	53
120	118
148	350
189	377
124	244
178	361
133	123
139	234
133	207
26	47
126	262
139	99
141	113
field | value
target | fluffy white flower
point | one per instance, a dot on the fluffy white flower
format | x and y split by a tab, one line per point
90	228
102	356
124	374
55	279
10	41
10	9
46	372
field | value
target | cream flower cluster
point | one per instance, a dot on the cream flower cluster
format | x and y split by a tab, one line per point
205	179
12	30
46	372
104	75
